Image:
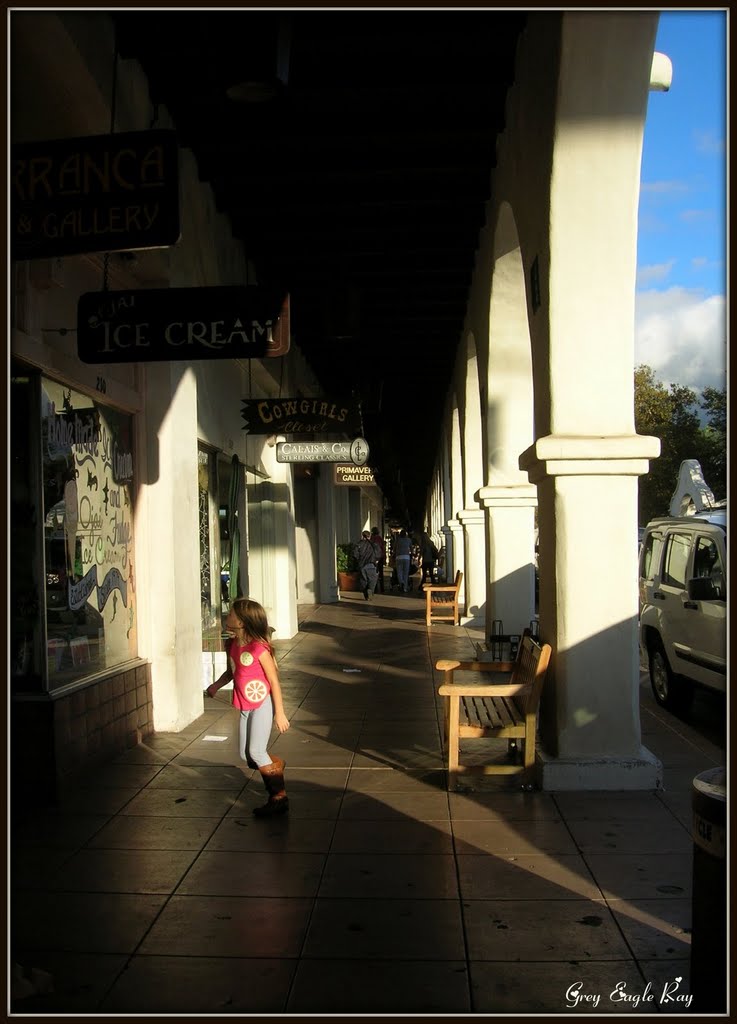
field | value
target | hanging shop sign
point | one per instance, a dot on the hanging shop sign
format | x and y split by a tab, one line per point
278	334
98	193
154	324
298	416
356	451
353	476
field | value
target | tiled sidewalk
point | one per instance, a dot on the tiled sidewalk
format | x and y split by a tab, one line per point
154	890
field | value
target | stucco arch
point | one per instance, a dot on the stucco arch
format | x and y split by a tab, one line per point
509	414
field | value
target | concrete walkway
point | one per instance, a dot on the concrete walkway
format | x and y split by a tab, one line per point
152	889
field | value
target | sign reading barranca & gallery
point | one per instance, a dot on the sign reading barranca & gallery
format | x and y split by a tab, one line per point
154	324
299	416
98	193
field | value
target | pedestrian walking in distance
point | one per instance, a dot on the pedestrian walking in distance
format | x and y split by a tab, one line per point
366	556
258	696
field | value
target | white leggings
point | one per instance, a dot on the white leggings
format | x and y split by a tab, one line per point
254	729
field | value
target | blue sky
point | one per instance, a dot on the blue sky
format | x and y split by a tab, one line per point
680	328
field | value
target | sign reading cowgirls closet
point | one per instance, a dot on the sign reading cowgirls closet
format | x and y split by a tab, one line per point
299	416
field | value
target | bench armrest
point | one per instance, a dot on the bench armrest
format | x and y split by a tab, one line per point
484	689
440	586
446	665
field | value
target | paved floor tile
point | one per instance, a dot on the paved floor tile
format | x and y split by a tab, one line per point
671	994
106	800
83	922
258	874
379	986
57	830
276	835
655	929
607	806
79	982
534	876
385	930
383	778
630	837
139	832
517	806
118	776
202	985
183	803
224	925
187	777
425	805
134	871
502	838
303	803
392	836
542	930
563	988
642	876
389	876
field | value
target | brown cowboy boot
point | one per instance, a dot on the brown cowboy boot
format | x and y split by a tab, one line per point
273	776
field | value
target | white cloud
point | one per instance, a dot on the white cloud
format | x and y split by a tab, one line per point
655	272
707	142
682	336
663	188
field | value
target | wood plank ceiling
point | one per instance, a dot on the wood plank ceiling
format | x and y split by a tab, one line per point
353	153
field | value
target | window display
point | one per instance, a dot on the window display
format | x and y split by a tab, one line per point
88	485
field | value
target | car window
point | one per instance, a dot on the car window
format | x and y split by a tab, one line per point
676	558
708	564
705	557
650	558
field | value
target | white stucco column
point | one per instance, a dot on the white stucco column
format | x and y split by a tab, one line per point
327	535
275	561
455	559
474	573
590	712
170	504
510	550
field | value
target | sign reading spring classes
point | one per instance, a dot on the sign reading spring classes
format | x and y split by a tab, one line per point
98	193
153	324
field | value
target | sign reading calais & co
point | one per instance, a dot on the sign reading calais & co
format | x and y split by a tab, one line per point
153	324
356	451
99	193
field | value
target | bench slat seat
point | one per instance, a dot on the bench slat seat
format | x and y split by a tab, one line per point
476	708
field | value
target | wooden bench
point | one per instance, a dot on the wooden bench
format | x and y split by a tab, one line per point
508	710
442	601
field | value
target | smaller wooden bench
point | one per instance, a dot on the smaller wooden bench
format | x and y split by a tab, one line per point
508	710
442	601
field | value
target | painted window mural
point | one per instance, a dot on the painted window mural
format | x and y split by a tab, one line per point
88	471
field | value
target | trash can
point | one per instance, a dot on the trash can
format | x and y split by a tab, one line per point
709	896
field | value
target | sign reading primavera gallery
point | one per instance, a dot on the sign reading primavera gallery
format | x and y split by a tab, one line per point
154	324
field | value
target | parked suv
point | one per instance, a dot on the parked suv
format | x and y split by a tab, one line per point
683	605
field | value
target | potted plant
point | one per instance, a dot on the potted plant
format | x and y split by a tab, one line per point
347	568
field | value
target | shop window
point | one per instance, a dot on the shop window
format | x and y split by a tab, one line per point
88	463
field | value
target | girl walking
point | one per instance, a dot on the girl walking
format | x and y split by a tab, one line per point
257	694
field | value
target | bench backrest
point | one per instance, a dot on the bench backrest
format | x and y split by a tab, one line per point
457	580
529	670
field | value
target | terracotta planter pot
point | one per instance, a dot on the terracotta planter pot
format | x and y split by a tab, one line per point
349	581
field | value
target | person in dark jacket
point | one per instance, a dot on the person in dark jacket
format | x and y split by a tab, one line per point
366	556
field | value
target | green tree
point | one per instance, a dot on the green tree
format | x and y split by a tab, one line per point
714	464
672	415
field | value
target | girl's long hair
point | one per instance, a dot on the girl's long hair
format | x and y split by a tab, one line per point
255	623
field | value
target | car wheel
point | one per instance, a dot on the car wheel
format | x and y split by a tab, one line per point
670	691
